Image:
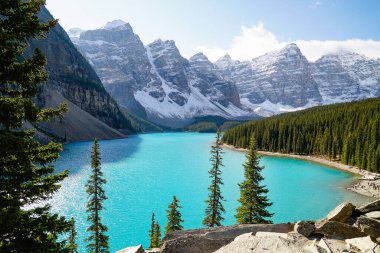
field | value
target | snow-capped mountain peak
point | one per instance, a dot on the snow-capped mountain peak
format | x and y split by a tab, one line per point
199	57
170	89
114	24
157	82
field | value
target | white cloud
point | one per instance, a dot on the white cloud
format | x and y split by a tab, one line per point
256	40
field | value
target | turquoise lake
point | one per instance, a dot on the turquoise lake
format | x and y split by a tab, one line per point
143	172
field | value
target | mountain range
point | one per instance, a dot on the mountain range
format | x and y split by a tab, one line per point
115	85
157	83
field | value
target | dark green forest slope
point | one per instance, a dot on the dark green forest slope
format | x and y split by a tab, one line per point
349	132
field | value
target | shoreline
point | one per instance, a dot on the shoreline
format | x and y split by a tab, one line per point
361	186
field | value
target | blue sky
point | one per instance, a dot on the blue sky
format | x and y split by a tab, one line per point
216	26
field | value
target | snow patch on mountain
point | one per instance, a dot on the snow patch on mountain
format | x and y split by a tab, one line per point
114	24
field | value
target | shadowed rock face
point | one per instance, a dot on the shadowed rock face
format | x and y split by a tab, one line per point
72	78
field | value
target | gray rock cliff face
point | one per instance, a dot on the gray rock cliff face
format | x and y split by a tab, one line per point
72	79
158	83
285	80
280	77
155	81
211	83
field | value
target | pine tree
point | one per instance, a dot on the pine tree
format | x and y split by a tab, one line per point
72	246
157	235
154	233
174	217
26	171
253	202
98	241
215	207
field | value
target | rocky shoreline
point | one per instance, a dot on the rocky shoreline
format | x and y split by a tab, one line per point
368	184
346	228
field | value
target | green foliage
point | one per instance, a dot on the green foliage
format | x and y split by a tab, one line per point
202	127
98	241
210	124
174	217
349	132
157	234
140	125
253	200
26	173
213	213
228	125
72	245
154	234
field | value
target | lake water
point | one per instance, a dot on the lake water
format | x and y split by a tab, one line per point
143	172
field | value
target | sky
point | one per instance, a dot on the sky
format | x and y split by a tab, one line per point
242	28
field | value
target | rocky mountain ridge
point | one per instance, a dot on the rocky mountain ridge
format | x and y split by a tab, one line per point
92	111
284	80
155	81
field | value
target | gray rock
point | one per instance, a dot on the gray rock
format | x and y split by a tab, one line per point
341	213
134	249
154	250
338	229
286	77
284	243
72	79
373	215
304	228
155	81
282	76
369	226
271	242
362	244
211	83
334	80
373	206
210	239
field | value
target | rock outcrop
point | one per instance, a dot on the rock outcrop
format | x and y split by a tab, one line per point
344	229
209	240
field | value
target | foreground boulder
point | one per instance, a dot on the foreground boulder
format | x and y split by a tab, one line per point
211	239
369	226
304	228
341	213
362	244
373	215
134	249
339	230
373	206
275	242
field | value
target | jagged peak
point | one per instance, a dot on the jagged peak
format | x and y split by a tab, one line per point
117	24
163	43
343	55
199	57
291	48
225	58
